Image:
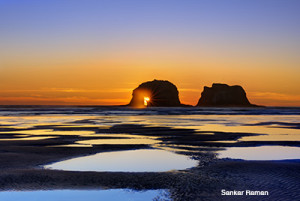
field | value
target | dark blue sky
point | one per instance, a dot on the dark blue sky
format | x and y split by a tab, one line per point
187	20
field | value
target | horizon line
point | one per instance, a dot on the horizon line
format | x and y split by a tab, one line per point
126	105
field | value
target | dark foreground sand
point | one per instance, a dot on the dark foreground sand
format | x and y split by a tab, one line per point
20	165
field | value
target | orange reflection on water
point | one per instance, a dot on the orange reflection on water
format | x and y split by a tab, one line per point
50	132
27	138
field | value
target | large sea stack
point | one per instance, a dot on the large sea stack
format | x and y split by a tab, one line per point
156	93
222	95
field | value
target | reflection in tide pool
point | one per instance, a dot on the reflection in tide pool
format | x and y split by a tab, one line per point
117	141
261	153
272	137
82	195
145	160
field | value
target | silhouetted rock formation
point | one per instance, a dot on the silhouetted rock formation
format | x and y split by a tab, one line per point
160	93
224	96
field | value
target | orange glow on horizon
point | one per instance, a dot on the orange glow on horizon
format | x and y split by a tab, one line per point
77	84
123	96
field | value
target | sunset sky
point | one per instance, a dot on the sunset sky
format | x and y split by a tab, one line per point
95	52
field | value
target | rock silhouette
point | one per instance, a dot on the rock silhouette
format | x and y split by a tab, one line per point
222	95
156	93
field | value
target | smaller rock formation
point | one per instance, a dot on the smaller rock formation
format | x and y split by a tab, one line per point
222	95
156	93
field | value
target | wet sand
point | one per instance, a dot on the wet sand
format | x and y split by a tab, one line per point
21	164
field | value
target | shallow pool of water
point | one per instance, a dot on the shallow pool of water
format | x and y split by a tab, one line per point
82	195
117	141
144	160
261	153
272	137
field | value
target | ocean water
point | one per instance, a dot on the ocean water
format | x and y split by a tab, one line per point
34	123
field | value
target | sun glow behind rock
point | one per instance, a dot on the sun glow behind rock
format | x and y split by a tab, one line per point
146	100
